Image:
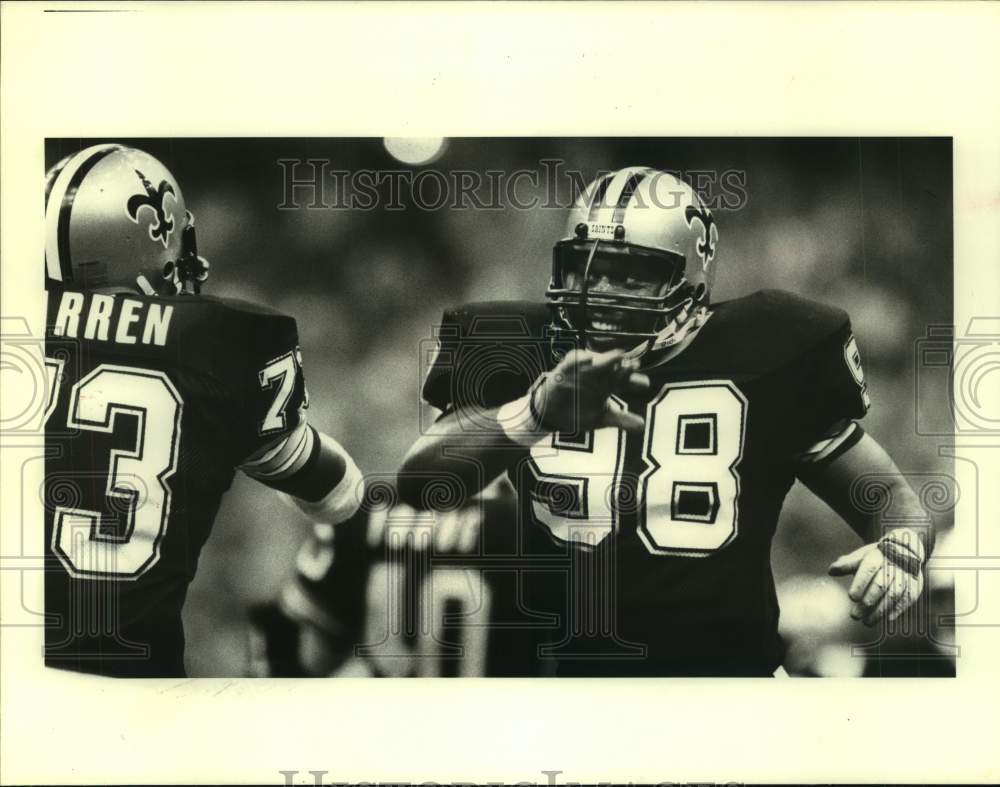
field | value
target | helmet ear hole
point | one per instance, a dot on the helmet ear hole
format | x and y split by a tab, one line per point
168	269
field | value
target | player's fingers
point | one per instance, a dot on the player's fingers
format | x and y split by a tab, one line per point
634	383
574	361
626	366
888	602
870	565
876	589
903	601
913	586
630	422
872	616
625	370
848	564
606	360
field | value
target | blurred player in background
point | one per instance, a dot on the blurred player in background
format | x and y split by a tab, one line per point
157	395
403	593
652	437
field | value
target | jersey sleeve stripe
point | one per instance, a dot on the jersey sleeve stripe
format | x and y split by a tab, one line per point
285	459
265	456
829	449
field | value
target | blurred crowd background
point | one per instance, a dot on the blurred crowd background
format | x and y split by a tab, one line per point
862	224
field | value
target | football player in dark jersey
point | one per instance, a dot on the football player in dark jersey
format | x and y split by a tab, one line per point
652	437
157	395
403	593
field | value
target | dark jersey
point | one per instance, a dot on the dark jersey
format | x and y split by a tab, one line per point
153	404
414	594
667	534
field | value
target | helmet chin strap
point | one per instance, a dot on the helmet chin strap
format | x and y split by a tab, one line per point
181	278
188	272
144	286
191	270
674	338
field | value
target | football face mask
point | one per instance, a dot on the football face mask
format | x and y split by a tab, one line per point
637	224
614	296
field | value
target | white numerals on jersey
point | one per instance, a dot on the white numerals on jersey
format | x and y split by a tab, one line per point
852	355
454	596
459	597
53	377
576	481
690	489
688	494
280	375
137	487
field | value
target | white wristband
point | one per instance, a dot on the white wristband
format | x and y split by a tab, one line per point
519	423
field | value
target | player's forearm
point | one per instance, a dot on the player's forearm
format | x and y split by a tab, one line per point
872	525
847	483
330	489
910	512
314	472
466	453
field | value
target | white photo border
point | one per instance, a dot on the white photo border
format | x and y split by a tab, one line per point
679	69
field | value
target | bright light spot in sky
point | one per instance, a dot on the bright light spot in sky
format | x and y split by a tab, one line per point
415	150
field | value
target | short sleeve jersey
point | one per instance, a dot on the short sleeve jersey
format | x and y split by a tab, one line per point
153	402
666	535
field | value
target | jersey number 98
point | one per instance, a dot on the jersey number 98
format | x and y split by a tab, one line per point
688	494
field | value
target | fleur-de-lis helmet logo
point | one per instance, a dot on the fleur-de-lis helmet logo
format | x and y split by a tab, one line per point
153	198
705	246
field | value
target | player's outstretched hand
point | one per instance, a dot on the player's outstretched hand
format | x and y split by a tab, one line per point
575	396
888	575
